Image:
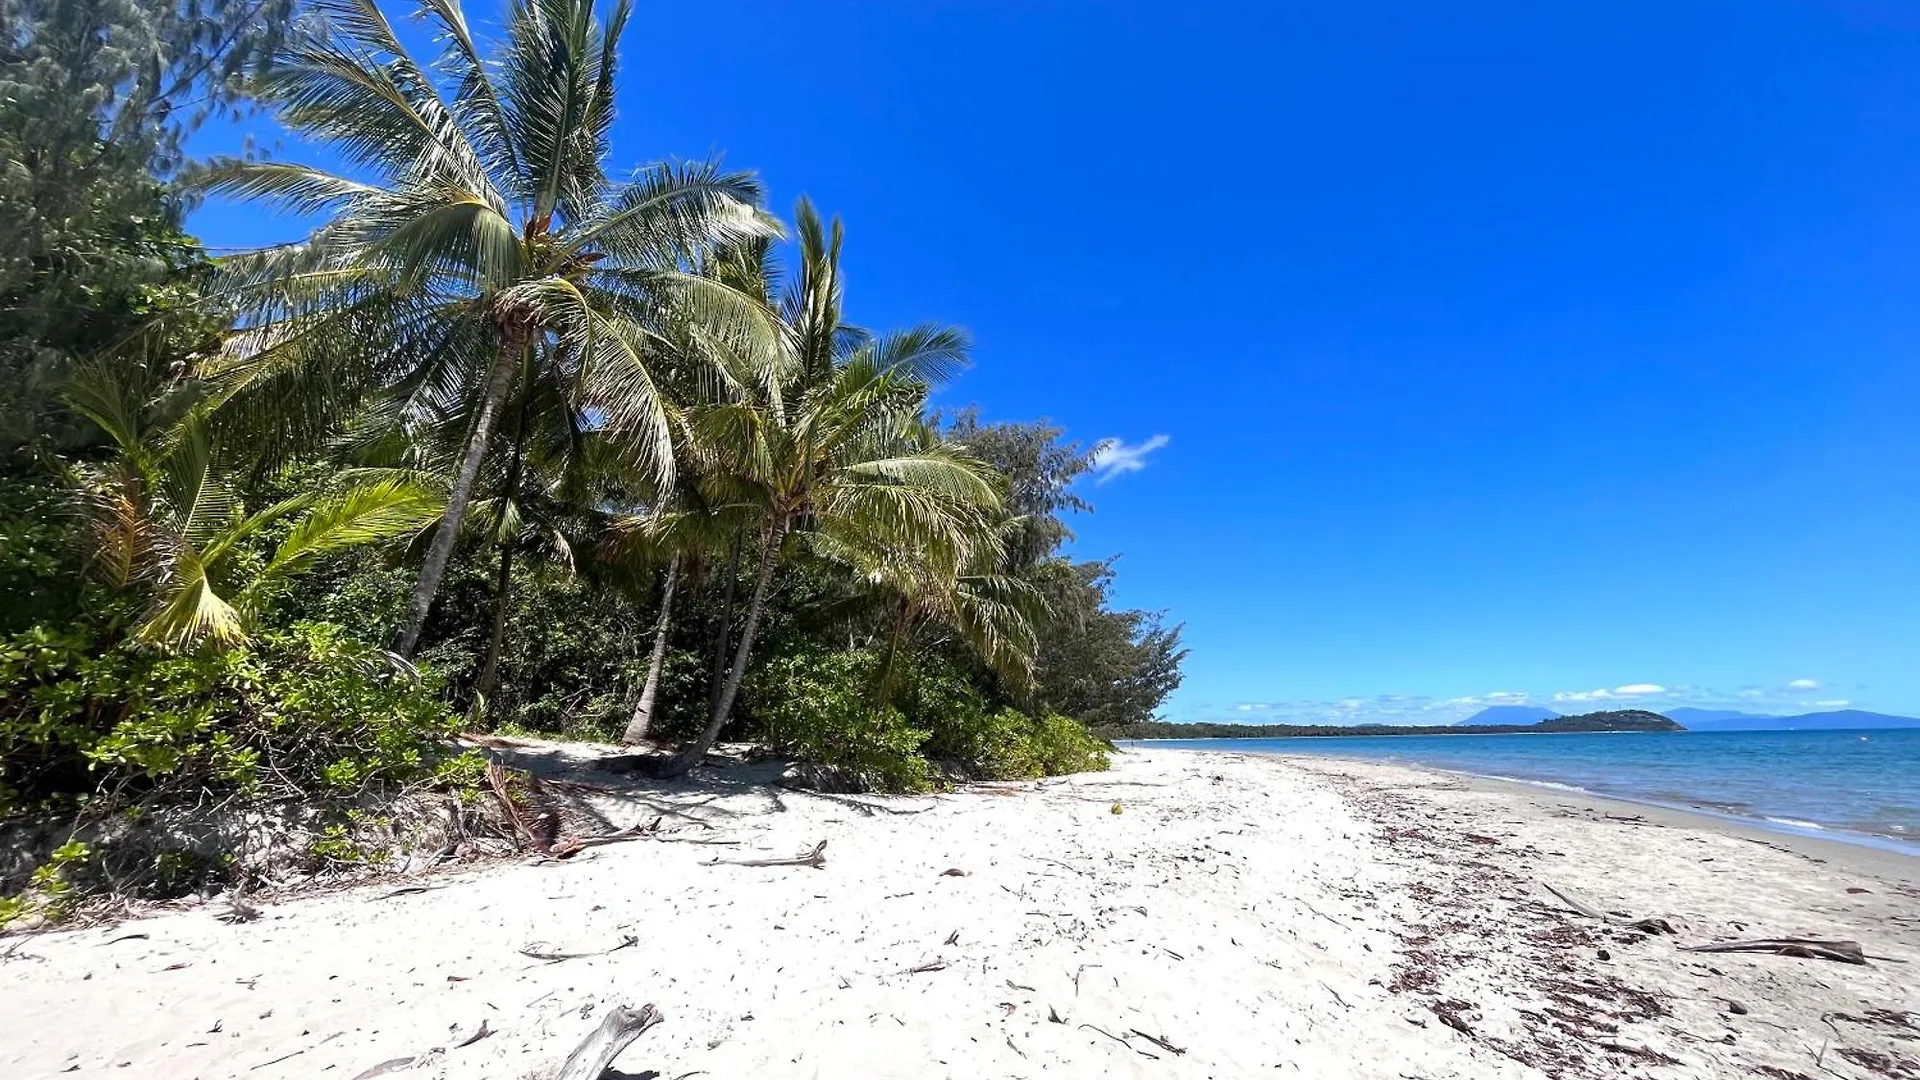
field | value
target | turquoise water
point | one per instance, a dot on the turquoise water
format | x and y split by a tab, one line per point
1848	784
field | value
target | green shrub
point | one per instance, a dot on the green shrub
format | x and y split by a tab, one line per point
818	707
306	710
50	894
39	558
1063	746
996	744
985	743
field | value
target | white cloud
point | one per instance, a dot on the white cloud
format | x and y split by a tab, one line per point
1804	684
1639	689
1583	695
1773	699
1497	697
1113	457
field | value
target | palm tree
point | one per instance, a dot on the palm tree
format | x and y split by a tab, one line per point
838	447
683	535
488	237
167	521
546	494
992	610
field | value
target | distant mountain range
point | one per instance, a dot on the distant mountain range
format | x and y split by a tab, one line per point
1715	719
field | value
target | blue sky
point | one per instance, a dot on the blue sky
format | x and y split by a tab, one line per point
1456	353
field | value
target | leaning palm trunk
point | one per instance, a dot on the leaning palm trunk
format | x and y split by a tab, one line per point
717	668
769	558
889	675
642	720
502	593
499	381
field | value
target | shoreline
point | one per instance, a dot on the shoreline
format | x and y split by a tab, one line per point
1858	851
1902	846
1187	915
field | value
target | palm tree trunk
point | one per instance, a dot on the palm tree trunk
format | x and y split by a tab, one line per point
499	381
502	591
769	558
717	680
643	712
889	674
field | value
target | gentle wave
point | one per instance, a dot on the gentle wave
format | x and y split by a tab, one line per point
1836	783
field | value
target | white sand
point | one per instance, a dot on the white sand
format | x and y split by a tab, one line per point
1268	918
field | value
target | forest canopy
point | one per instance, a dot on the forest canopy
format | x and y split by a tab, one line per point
521	437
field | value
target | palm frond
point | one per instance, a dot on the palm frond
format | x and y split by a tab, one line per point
360	514
188	610
476	103
547	80
930	355
199	497
298	189
673	214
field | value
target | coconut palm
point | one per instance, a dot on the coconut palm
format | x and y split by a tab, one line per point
685	534
991	609
838	448
167	521
478	232
544	497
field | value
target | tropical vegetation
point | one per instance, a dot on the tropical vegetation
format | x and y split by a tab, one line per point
518	437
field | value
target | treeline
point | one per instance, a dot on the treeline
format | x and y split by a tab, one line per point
1615	720
518	438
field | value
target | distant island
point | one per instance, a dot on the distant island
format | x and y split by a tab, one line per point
1616	720
1714	719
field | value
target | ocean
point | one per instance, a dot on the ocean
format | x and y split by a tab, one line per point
1849	785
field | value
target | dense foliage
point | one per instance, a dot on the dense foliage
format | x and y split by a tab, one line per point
301	711
581	454
96	99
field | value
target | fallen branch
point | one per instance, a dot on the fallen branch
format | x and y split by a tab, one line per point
1581	907
540	950
1845	952
1163	1044
616	1032
816	859
1118	1039
536	828
238	909
480	1033
408	891
574	845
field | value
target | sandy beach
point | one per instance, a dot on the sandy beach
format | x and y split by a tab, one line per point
1185	915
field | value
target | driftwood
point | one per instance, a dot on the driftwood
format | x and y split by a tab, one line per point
574	845
1581	907
816	858
540	950
616	1032
408	891
1845	952
238	909
1160	1042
